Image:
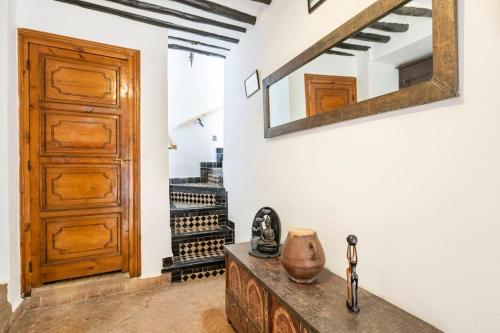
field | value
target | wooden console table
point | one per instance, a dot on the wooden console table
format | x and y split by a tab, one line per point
261	299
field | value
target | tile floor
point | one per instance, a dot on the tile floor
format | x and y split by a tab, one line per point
183	308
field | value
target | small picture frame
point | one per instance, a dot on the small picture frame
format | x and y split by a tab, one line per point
252	84
313	4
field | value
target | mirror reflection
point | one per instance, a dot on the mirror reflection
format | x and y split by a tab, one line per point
391	54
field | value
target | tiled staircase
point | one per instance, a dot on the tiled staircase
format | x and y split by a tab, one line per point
199	224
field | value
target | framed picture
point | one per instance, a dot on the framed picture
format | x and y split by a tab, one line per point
313	4
252	84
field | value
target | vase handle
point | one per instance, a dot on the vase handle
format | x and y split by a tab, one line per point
314	252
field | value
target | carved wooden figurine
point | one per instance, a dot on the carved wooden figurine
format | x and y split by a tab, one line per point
352	276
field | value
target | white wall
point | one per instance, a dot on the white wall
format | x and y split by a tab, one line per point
12	156
54	17
192	91
420	187
4	214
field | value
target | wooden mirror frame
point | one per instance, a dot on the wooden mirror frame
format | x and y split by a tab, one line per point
443	85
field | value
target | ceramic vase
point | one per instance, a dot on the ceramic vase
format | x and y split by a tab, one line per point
302	256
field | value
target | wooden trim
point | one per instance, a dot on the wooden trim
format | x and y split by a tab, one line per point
444	84
25	38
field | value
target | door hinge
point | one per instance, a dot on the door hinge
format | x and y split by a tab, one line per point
30	267
29	165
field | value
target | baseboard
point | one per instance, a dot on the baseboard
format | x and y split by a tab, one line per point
5	310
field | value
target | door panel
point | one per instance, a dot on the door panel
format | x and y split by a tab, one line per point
77	237
80	186
325	93
80	133
79	81
80	147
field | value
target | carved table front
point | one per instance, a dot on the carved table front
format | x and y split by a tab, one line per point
260	298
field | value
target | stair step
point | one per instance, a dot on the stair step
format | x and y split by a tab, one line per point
196	232
195	263
185	207
197	186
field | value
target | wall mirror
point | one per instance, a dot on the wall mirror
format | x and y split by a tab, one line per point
394	54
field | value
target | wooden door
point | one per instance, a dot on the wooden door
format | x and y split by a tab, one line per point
81	159
325	93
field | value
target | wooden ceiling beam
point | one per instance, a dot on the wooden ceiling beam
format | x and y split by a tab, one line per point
354	47
267	2
369	37
220	10
195	42
177	13
189	49
390	27
147	20
413	11
345	54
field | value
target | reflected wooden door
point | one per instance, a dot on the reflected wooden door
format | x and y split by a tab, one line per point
325	93
80	162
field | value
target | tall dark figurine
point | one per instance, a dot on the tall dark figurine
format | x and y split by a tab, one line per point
352	276
266	234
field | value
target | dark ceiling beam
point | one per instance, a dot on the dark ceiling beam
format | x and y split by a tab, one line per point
189	49
369	37
267	2
355	47
220	10
413	11
195	42
177	13
339	53
390	27
147	20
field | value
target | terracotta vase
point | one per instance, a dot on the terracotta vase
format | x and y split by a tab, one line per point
302	255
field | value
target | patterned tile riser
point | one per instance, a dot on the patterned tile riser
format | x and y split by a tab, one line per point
195	223
198	198
200	273
201	248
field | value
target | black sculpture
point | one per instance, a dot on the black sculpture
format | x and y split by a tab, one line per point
266	234
352	276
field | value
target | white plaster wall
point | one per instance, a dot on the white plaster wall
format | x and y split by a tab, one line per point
192	91
53	17
4	217
420	186
12	156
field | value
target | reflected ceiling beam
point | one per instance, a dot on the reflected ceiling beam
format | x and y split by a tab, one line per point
190	49
195	42
355	47
176	13
413	11
369	37
390	27
267	2
147	20
220	10
345	54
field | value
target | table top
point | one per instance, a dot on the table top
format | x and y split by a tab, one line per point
322	305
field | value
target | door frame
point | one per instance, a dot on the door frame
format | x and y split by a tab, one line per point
26	37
